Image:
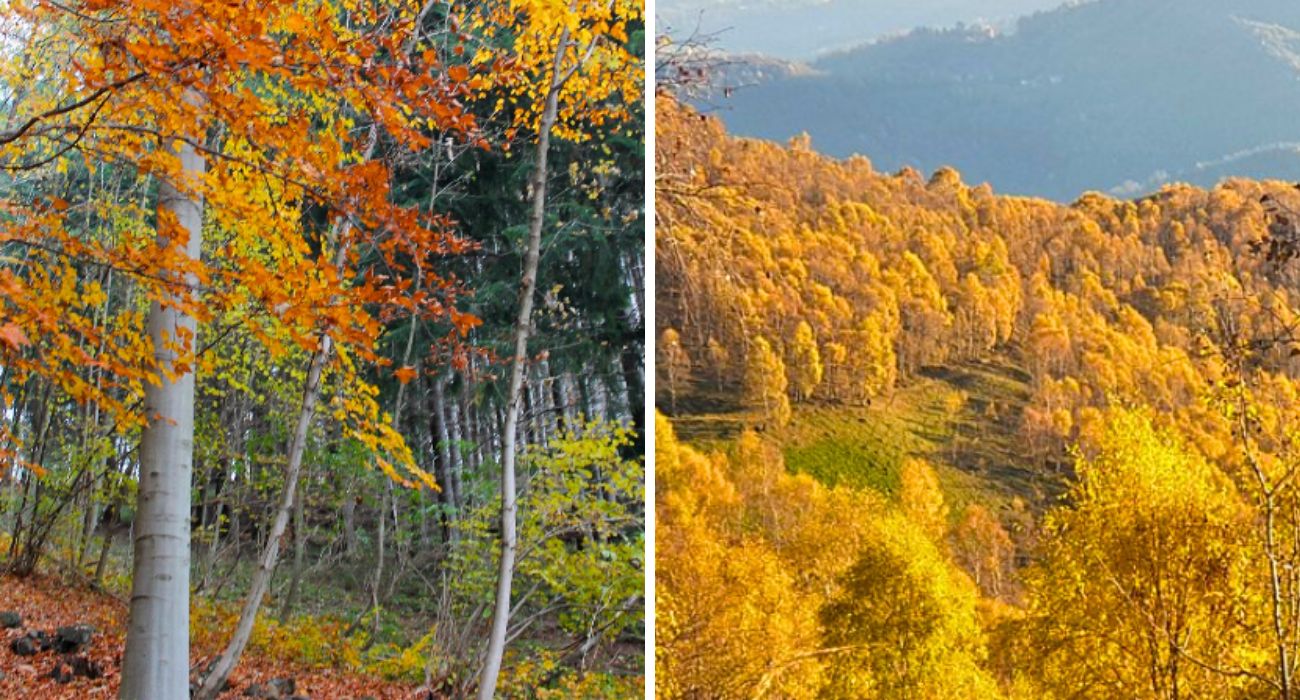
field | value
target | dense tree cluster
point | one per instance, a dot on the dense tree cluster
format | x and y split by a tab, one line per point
1159	353
855	280
772	585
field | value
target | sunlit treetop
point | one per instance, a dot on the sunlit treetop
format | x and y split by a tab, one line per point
581	48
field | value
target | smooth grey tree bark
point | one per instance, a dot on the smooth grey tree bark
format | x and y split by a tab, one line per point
156	662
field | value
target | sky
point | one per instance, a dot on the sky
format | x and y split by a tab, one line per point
801	29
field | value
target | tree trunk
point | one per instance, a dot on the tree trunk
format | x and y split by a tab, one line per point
634	382
506	569
561	403
103	557
442	459
299	555
270	554
381	544
546	397
457	454
584	397
156	662
528	426
90	517
214	546
349	525
482	437
19	405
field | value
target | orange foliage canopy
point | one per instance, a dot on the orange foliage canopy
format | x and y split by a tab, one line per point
289	103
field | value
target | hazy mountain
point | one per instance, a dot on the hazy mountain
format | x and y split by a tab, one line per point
801	29
1117	95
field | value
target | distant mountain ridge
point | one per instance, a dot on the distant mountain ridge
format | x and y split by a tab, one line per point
803	29
1112	95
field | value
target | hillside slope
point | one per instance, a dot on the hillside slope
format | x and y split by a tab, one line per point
963	420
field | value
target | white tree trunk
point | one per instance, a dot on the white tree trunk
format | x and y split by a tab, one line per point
444	447
155	665
523	322
457	454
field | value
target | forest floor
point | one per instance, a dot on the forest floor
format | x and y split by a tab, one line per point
47	603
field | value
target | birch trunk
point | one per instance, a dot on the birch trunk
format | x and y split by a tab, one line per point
156	663
442	459
379	559
506	568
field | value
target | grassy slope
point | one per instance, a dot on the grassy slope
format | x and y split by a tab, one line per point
962	419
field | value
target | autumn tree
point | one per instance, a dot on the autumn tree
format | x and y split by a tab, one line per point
872	364
1264	468
805	362
904	624
726	641
719	359
674	365
765	382
574	70
158	640
1142	574
984	548
922	499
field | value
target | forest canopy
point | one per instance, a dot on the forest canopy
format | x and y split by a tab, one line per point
946	443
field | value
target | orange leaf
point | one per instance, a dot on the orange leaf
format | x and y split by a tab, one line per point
464	322
405	374
13	336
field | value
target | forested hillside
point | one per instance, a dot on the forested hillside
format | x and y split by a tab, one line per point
1121	95
919	440
321	340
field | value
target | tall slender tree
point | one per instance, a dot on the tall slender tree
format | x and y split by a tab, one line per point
574	75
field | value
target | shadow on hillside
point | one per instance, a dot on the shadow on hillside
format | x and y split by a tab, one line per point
708	413
965	417
982	437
